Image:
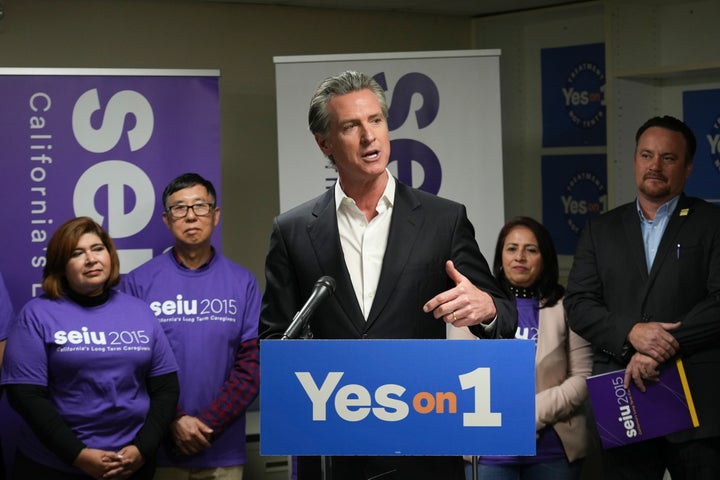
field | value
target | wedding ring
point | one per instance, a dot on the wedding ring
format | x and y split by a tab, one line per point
454	317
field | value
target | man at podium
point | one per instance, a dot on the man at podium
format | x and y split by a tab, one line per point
404	262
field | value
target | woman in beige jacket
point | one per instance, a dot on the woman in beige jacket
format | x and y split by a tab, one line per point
526	265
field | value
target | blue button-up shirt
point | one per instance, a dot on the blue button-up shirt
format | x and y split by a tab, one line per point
652	230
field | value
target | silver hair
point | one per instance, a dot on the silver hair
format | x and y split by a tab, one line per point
341	84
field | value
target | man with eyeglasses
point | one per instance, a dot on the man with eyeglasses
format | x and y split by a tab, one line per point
209	308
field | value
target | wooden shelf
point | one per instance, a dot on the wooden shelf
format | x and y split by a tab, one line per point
691	73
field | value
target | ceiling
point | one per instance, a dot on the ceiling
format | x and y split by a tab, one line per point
465	8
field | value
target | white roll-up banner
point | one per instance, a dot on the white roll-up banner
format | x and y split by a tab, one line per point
444	121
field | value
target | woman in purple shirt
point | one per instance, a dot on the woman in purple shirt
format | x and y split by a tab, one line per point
88	368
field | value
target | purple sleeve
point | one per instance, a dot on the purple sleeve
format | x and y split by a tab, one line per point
26	360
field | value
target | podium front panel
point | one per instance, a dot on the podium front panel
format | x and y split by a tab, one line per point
397	397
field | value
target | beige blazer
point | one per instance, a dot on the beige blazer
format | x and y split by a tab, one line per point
562	362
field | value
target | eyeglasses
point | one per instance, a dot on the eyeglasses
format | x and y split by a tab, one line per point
199	209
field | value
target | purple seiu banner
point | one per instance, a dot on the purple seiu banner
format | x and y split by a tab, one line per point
103	146
98	143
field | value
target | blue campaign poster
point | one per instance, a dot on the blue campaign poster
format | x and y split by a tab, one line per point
573	96
397	397
574	190
702	114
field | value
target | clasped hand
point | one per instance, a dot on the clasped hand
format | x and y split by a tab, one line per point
191	435
641	368
654	344
103	464
655	340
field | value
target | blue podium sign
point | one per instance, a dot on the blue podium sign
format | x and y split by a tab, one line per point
397	397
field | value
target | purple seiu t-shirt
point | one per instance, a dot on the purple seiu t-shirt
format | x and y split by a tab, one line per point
95	362
549	446
206	314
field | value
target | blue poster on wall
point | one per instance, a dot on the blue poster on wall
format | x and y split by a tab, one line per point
702	114
574	190
573	96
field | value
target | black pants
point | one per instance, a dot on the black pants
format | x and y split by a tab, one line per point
2	463
384	468
693	460
27	469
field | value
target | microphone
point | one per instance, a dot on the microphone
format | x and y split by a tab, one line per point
324	287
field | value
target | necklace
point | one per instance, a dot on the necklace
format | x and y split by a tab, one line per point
522	292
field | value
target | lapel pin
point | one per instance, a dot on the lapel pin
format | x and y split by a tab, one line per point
684	212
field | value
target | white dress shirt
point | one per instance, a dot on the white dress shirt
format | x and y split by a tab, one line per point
363	243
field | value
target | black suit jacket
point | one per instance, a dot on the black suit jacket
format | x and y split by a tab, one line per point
610	290
425	231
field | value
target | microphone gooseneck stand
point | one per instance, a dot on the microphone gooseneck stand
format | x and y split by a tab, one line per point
298	329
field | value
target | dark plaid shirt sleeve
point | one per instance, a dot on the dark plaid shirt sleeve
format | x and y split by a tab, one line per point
238	391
